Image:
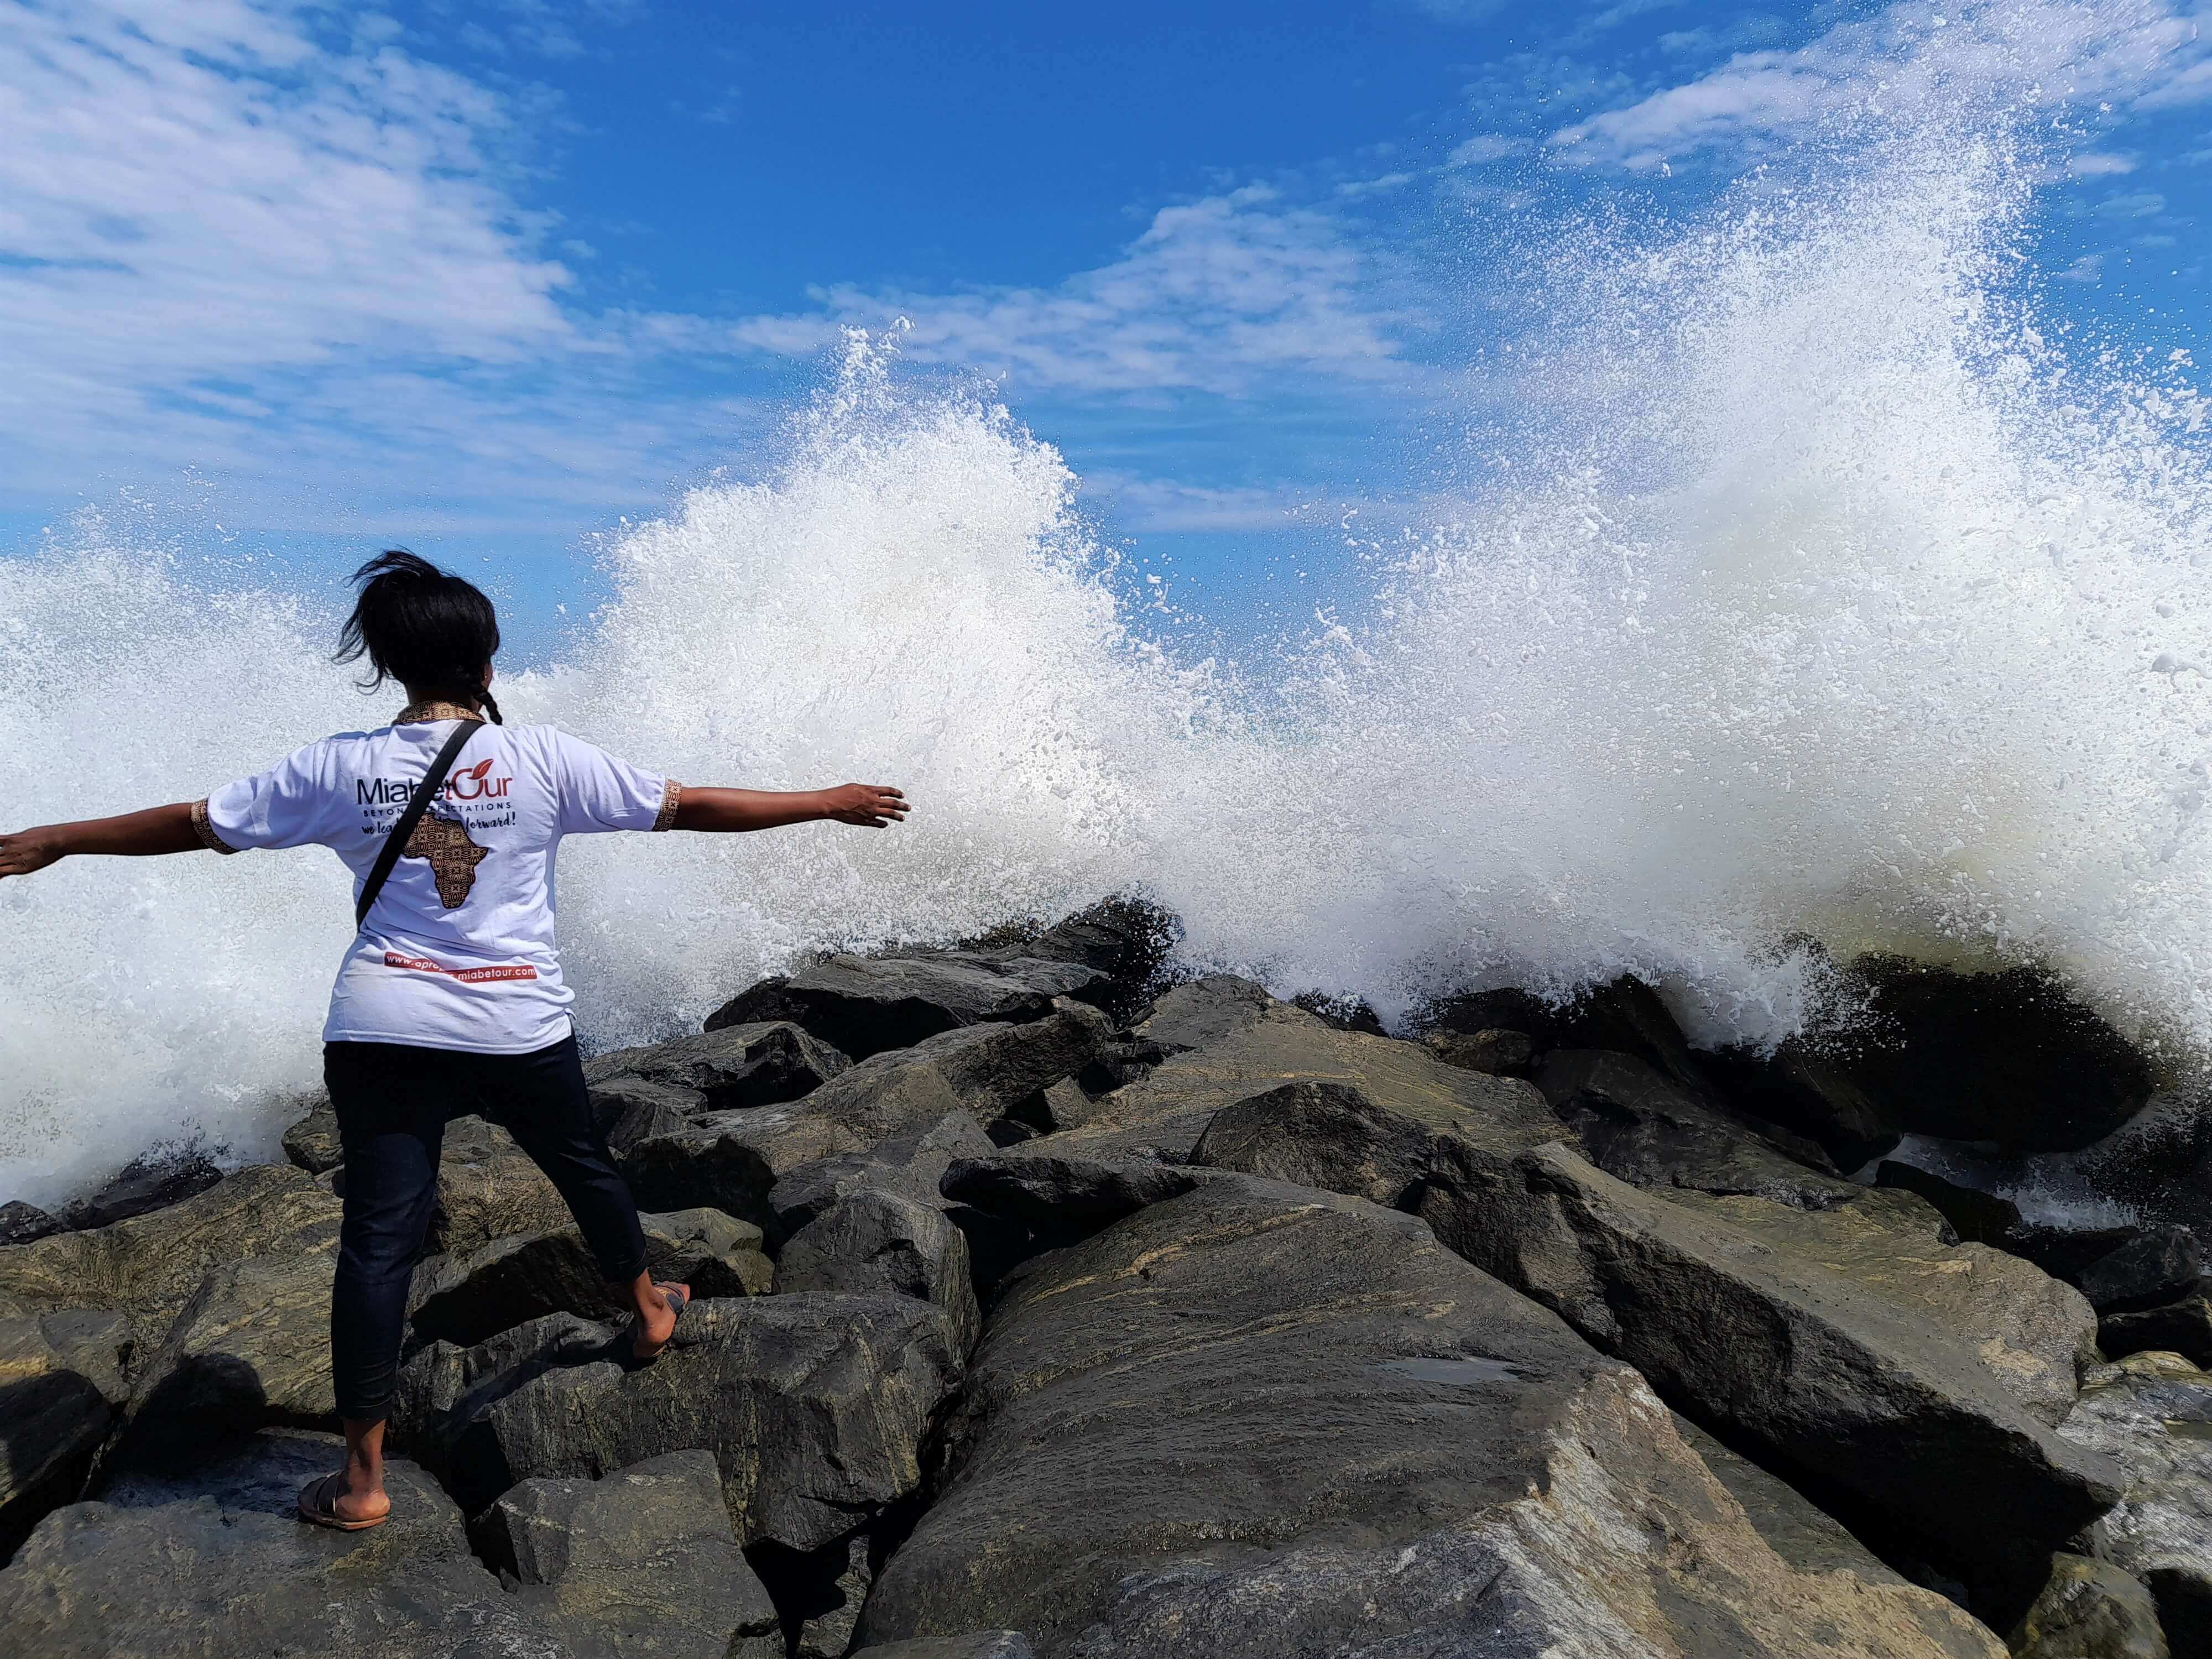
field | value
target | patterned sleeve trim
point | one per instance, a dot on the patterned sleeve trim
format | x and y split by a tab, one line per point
672	793
205	831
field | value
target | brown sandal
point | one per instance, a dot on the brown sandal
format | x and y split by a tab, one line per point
318	1506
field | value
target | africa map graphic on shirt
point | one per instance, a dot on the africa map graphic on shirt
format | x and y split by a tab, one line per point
452	856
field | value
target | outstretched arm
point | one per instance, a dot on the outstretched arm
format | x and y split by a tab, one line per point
134	835
728	810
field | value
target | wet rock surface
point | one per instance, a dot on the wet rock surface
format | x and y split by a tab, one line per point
215	1564
1824	1363
465	1299
755	1064
1289	1337
1636	1124
815	1407
1258	1419
2152	1414
644	1557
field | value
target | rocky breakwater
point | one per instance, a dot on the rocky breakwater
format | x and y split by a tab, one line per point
1046	1308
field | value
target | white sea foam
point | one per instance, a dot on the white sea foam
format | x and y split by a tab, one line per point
1826	599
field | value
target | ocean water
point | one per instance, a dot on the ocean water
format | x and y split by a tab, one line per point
1825	600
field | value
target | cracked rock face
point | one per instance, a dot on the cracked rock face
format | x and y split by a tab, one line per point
2153	1413
814	1406
1261	1420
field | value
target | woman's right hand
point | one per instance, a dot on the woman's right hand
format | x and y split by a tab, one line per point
29	850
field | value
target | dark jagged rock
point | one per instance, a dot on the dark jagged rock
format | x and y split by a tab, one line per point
465	1299
488	1189
2089	1610
2152	1270
149	1266
814	1406
911	1162
1204	1011
877	1242
629	1110
1805	1084
63	1377
2153	1411
2006	1057
866	1005
1345	1013
312	1142
1978	1218
1233	1042
839	1590
729	1067
1256	1421
249	1350
1064	1199
1623	1016
975	1644
1500	1053
645	1555
1791	1524
1125	939
2182	1327
732	1160
1838	1341
24	1224
214	1564
1635	1124
153	1180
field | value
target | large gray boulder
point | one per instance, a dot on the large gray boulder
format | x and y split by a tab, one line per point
62	1379
1064	1199
149	1266
1874	1371
815	1407
866	1005
1258	1421
489	1188
250	1350
732	1160
312	1142
645	1555
2153	1413
511	1281
762	1063
878	1243
1644	1128
1242	1042
2089	1610
975	1644
913	1161
215	1566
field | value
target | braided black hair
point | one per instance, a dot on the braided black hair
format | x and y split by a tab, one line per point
432	632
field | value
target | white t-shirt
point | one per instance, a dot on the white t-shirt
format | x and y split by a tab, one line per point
458	951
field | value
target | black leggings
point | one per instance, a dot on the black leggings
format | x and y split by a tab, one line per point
393	1103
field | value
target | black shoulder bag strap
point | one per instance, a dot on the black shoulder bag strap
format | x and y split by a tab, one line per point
418	804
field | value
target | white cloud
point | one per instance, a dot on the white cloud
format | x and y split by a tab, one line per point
1215	295
201	204
2142	53
1484	147
1160	505
2095	164
2089	268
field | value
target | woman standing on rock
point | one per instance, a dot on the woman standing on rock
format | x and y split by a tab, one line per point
450	999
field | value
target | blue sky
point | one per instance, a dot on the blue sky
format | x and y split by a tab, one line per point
298	279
